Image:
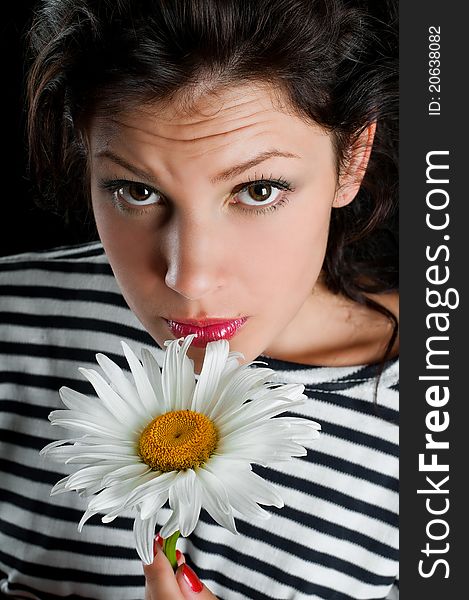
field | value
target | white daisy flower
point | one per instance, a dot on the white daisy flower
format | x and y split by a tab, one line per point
173	436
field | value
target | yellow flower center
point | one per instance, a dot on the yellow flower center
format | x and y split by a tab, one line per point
177	440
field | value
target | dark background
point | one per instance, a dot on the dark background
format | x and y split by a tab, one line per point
23	226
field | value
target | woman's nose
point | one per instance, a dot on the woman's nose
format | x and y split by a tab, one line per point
194	257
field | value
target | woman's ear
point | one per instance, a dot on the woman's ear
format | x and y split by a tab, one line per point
353	170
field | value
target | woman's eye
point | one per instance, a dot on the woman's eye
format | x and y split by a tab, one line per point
137	194
258	194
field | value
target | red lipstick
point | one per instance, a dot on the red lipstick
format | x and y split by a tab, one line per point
206	330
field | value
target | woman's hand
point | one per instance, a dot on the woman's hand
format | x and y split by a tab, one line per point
161	583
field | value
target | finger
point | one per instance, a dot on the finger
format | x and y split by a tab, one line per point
190	585
160	583
181	559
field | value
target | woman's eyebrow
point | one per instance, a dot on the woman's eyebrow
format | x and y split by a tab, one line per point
252	162
139	173
223	176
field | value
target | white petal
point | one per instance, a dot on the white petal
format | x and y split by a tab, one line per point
270	432
258	456
93	440
246	506
153	372
277	447
93	459
103	448
171	525
241	386
263	491
88	476
264	456
253	412
178	379
144	532
120	383
111	515
125	473
81	454
116	405
289	391
240	496
83	404
233	361
57	443
301	427
215	499
86	515
185	500
205	394
109	498
152	504
157	484
90	490
302	431
71	419
152	404
114	497
240	475
59	487
301	421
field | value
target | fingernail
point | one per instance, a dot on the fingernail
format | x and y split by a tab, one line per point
158	541
178	554
191	579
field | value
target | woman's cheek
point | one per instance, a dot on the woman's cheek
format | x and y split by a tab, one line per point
302	252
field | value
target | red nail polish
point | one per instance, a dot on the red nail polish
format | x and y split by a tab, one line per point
178	554
158	540
191	579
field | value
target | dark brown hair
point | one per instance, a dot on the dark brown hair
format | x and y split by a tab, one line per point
334	60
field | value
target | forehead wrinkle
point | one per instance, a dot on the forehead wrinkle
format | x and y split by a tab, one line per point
217	110
254	122
213	113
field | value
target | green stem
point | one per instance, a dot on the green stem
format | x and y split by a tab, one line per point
169	548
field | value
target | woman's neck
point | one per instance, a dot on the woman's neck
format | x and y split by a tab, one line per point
331	330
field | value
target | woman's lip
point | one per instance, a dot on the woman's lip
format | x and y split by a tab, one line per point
205	322
206	330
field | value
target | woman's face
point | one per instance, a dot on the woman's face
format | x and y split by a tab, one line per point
189	233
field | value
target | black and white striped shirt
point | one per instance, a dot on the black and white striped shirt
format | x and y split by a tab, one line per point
336	537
